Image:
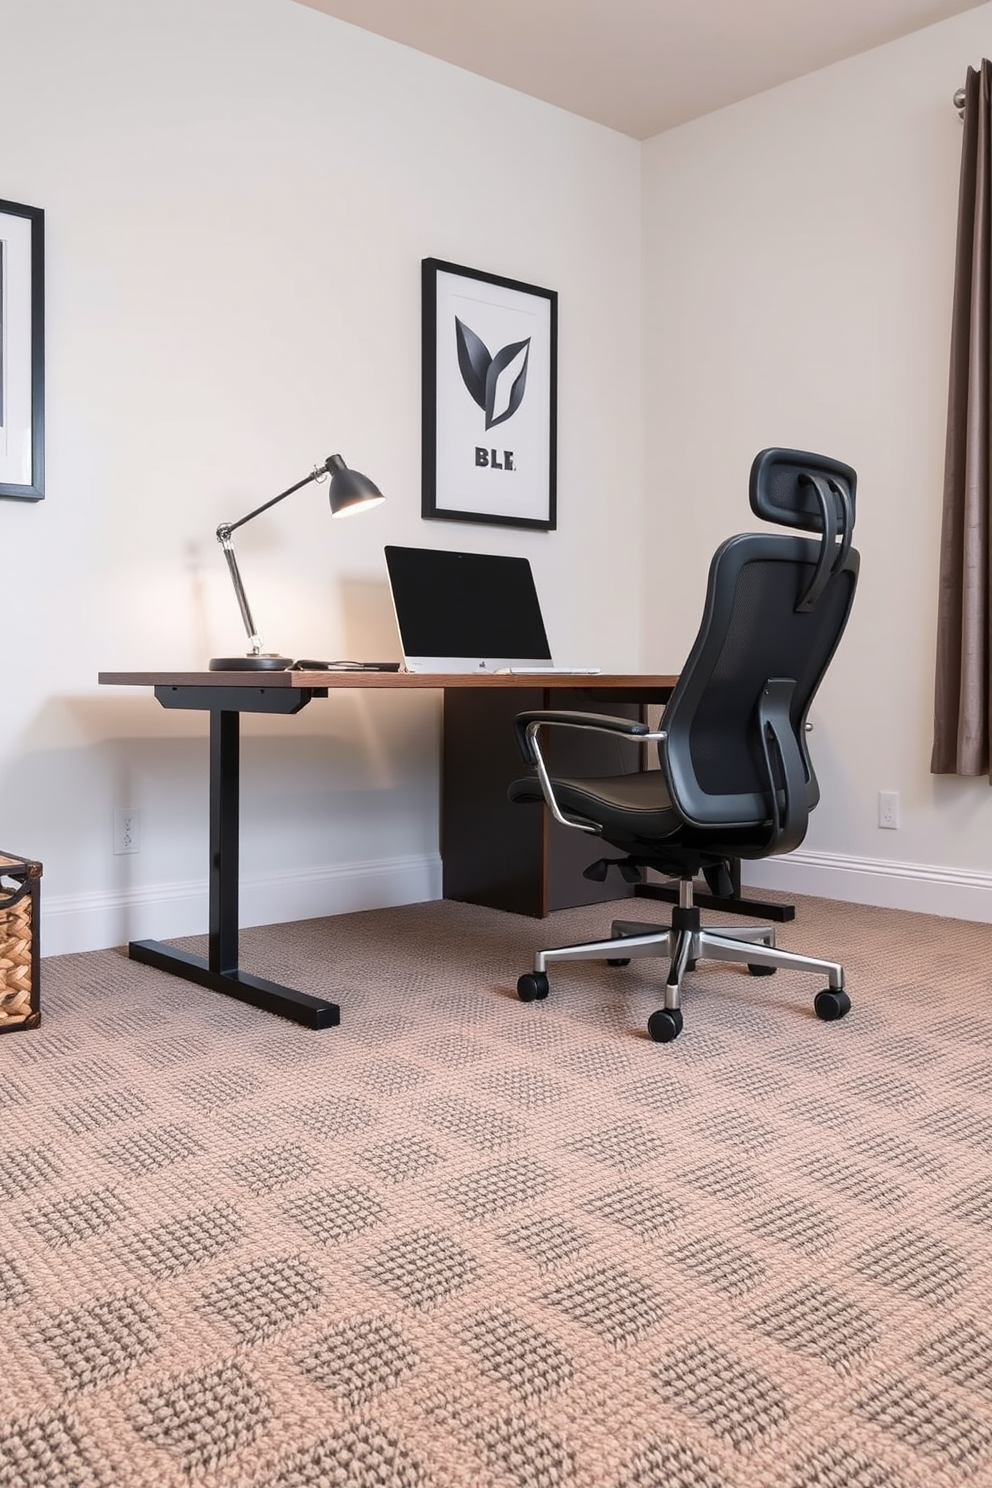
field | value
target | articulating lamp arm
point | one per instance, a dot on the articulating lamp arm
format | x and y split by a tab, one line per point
226	541
224	538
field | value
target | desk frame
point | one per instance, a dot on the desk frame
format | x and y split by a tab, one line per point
226	695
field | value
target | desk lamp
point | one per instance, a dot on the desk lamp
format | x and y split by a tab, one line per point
349	492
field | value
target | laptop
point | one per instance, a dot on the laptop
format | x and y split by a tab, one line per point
469	612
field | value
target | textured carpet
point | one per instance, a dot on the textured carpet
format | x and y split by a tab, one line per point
464	1241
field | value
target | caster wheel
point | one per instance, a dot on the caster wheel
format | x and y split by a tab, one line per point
618	960
665	1025
753	970
532	986
829	1005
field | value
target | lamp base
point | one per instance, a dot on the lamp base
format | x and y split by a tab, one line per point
264	663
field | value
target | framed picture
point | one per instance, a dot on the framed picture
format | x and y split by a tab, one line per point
490	385
22	351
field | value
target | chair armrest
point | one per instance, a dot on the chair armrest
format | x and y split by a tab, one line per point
526	726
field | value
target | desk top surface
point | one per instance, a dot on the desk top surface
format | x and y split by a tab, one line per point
343	679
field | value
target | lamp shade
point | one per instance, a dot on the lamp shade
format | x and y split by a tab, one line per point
350	491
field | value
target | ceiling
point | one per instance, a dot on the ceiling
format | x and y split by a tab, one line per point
641	66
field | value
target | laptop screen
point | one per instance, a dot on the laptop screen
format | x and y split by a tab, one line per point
465	612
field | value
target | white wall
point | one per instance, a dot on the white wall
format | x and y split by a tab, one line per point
798	276
238	196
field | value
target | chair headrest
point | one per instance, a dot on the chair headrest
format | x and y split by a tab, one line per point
814	493
791	487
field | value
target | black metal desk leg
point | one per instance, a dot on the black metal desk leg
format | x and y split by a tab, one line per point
225	794
219	970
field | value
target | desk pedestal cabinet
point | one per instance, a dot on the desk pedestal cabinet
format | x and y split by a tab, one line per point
513	857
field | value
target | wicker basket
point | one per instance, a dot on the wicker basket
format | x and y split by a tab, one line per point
20	884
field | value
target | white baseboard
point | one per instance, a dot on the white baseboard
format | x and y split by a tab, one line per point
91	922
954	893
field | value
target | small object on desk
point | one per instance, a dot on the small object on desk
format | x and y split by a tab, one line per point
548	671
345	666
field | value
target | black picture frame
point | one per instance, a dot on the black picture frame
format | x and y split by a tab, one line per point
22	351
490	394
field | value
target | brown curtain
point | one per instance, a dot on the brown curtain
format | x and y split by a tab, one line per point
962	693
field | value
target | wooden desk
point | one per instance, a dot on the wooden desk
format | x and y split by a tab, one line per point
493	853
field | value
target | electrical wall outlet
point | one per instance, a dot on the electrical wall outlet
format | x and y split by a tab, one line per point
888	809
127	831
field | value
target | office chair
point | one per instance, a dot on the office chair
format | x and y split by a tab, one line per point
736	780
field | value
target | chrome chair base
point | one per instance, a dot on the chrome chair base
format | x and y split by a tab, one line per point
684	943
749	945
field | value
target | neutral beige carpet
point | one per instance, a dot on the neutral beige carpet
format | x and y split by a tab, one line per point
464	1241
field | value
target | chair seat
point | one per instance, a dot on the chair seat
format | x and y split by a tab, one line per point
637	804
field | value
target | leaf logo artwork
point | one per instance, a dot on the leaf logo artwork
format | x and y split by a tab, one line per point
496	383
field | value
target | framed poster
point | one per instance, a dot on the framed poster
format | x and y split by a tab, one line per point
22	351
490	385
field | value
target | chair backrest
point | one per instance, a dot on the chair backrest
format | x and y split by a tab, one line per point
776	607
